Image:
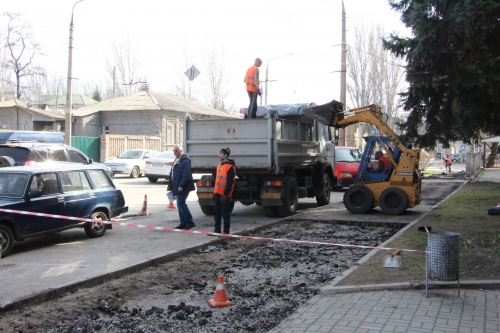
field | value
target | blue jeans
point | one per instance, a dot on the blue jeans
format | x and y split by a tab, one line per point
184	213
222	209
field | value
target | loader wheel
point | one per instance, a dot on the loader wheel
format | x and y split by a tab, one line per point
358	199
290	198
393	201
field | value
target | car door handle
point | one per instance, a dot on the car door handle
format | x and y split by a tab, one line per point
60	199
92	195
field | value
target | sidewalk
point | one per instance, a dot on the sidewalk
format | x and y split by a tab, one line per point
397	308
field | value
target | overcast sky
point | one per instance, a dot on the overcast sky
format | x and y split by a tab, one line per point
161	31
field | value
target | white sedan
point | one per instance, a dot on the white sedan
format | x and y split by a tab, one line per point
159	166
131	162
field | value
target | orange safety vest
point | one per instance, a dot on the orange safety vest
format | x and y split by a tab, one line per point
386	162
250	79
221	179
447	161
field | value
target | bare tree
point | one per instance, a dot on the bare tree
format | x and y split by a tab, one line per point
23	49
123	69
6	84
216	79
376	76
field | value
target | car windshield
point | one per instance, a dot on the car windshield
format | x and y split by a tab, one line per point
166	154
13	184
347	155
131	154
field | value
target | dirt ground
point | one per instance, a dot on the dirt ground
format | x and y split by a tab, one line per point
266	281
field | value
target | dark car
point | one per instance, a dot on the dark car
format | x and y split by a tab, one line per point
68	189
29	153
454	157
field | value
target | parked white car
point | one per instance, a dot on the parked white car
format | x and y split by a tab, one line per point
131	162
159	166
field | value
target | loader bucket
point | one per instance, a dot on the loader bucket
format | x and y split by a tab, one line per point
325	113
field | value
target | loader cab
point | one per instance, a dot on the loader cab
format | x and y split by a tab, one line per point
373	144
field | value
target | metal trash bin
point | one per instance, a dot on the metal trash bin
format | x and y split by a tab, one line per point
443	257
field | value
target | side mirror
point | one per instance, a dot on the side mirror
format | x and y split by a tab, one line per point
35	193
91	161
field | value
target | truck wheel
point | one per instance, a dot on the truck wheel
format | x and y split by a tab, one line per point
324	198
246	203
135	172
6	161
358	199
207	210
290	198
271	211
152	179
8	240
94	229
393	201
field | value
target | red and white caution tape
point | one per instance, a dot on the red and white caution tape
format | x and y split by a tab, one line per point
135	225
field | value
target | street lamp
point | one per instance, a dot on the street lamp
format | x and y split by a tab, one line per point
267	63
69	92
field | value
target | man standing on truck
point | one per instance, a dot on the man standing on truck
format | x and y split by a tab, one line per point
252	84
383	163
223	190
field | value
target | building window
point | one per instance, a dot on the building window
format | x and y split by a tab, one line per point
105	129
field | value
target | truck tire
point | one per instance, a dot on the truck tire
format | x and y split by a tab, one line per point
290	198
246	202
8	242
207	210
393	201
324	198
358	199
271	211
6	161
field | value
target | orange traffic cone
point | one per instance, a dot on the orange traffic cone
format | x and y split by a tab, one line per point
144	210
171	204
220	298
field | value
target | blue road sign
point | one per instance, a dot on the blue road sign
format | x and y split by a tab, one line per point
192	73
463	147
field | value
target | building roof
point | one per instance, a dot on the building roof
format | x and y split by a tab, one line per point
150	101
33	108
78	101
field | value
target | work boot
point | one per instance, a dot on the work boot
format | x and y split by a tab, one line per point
226	231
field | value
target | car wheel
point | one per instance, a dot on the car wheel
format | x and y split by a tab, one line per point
393	201
95	229
152	179
247	202
135	172
8	240
358	199
6	161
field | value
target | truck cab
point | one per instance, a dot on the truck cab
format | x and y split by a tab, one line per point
347	161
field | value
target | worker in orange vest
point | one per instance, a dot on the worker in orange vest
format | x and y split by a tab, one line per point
383	163
223	190
252	84
447	164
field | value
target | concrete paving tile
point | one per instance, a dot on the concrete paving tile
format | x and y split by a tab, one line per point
463	329
401	329
341	329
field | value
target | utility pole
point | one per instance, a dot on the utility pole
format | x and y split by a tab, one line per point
114	82
69	97
343	68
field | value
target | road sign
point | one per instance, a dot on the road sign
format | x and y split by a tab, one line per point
192	73
463	147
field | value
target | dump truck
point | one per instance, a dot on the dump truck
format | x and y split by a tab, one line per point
399	186
280	157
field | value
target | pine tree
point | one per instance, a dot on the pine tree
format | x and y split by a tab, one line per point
453	69
97	95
